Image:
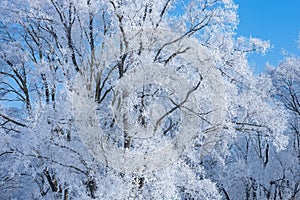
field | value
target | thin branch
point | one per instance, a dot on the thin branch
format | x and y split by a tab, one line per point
12	121
178	105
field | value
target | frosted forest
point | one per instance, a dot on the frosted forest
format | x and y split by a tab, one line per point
142	99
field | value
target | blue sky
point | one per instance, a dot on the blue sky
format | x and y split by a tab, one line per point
274	20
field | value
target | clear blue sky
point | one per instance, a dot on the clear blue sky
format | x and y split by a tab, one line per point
274	20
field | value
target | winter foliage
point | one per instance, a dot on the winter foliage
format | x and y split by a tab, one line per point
153	99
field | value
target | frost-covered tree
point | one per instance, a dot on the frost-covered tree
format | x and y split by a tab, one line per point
129	99
256	168
286	83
